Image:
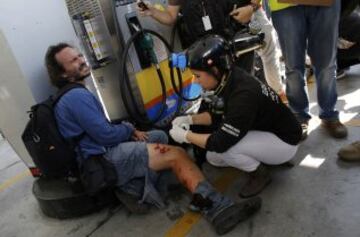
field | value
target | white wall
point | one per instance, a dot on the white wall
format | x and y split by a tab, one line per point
15	99
27	28
30	26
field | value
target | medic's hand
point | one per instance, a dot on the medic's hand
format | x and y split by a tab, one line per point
145	11
242	14
182	121
178	134
140	136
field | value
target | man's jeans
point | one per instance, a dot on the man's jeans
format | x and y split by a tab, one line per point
313	30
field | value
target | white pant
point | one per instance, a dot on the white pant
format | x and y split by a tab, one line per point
255	148
269	54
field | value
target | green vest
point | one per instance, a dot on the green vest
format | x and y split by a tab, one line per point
275	6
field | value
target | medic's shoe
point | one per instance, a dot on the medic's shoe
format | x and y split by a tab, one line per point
258	180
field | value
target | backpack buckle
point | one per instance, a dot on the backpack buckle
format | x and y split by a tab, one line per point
36	138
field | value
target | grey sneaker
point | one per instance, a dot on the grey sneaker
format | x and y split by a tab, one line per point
350	152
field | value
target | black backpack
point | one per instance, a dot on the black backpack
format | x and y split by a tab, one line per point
51	153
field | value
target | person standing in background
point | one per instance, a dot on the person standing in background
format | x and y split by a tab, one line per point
314	30
253	12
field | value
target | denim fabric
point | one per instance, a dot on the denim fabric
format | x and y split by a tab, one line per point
313	30
131	161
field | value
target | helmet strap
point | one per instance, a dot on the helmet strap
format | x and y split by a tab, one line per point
222	83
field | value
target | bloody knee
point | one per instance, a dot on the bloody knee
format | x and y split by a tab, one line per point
178	155
162	149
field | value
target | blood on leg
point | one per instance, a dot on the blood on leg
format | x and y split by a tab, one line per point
163	157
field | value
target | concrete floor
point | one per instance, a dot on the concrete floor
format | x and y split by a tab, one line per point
318	197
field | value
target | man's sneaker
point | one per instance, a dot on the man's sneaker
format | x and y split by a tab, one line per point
335	128
227	219
258	180
131	203
350	152
304	128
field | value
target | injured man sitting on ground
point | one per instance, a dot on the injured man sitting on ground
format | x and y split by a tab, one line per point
138	157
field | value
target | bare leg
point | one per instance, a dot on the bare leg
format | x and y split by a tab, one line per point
222	212
163	157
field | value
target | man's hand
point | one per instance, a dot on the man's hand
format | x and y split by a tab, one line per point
242	14
182	120
178	134
148	11
140	136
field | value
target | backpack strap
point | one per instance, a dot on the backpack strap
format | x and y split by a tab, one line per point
73	141
63	90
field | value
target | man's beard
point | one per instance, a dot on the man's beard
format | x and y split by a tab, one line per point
82	78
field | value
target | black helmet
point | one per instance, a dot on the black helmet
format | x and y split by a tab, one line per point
210	51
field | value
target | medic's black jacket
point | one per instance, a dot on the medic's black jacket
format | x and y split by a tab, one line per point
251	105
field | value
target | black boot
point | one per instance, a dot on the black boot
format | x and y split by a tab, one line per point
227	219
258	180
222	212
